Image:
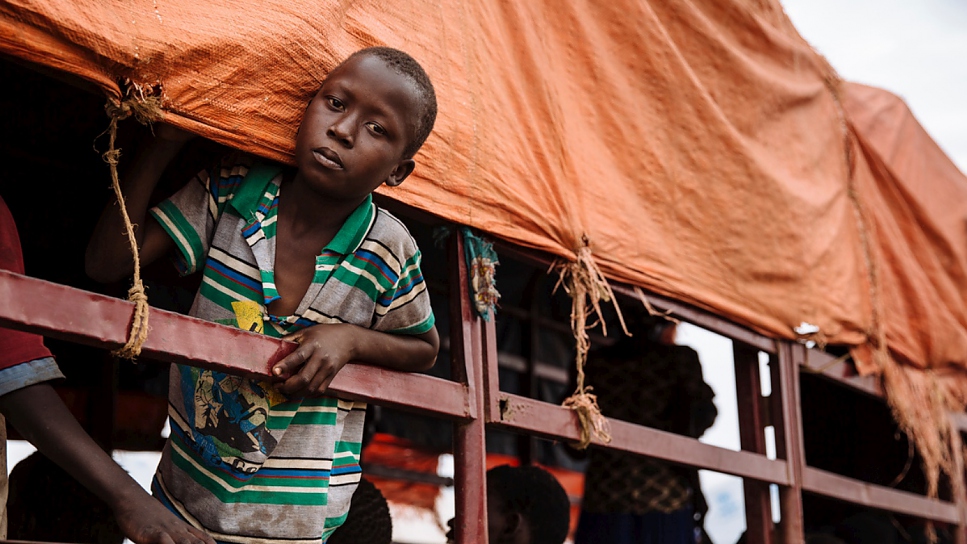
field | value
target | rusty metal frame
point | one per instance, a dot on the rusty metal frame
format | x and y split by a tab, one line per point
474	401
469	440
539	418
753	420
101	321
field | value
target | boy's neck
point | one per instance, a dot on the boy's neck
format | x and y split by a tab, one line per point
307	211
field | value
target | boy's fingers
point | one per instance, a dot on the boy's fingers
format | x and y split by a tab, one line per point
294	337
298	384
290	363
202	535
321	382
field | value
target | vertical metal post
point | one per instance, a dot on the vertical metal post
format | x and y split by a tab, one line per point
787	421
469	448
752	424
491	384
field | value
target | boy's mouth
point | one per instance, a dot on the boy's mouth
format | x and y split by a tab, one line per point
328	158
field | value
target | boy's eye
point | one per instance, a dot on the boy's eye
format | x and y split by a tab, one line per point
335	103
376	129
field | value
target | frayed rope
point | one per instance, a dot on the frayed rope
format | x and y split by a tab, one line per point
146	109
583	280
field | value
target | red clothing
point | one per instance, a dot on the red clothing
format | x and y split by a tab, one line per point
15	347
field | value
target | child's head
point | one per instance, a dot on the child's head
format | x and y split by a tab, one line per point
368	521
362	128
424	115
526	505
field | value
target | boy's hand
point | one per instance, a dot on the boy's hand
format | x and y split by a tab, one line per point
146	521
323	351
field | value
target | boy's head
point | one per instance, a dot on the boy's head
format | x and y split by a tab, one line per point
368	520
362	128
526	505
424	115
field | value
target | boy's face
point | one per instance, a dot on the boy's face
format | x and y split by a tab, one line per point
355	129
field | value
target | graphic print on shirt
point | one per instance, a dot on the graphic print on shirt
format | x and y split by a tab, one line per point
229	414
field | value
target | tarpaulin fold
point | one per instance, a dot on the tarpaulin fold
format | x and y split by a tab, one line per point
704	148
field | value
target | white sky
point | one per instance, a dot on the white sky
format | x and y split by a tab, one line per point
915	48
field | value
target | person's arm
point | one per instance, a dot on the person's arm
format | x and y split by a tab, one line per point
108	256
43	419
325	349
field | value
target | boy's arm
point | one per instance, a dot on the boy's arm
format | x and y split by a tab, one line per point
43	419
108	256
325	349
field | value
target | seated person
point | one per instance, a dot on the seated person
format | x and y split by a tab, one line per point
525	505
368	521
648	380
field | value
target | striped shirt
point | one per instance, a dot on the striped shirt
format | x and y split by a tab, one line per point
243	462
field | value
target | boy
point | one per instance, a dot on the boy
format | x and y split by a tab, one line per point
298	253
28	401
525	505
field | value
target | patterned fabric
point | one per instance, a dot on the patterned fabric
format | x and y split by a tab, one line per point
655	388
244	462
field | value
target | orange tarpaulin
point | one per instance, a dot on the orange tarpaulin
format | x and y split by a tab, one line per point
918	201
704	149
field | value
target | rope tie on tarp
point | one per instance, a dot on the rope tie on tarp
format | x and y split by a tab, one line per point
482	261
587	286
482	264
146	109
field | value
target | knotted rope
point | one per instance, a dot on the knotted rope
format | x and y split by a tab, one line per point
145	109
583	280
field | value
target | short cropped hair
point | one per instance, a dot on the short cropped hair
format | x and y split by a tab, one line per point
408	67
537	496
368	521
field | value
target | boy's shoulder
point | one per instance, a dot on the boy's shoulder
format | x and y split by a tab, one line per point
390	232
242	180
235	164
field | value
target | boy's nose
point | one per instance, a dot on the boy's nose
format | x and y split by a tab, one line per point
340	130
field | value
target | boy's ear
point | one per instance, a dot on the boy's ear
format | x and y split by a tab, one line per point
513	528
402	170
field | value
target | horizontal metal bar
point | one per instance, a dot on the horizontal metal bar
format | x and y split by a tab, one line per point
846	489
96	320
561	327
516	363
556	422
542	370
702	318
840	371
406	475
